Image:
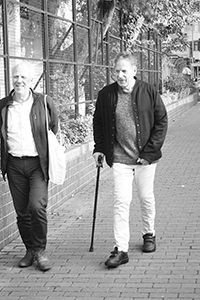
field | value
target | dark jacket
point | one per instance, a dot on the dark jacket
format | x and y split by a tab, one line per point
150	118
38	125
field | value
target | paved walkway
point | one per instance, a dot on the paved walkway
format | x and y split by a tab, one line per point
172	272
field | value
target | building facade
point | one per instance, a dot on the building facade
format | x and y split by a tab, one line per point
190	58
68	46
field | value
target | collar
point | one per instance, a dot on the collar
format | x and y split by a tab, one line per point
28	101
127	90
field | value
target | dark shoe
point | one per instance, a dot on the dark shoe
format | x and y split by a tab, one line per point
42	260
117	258
27	260
149	243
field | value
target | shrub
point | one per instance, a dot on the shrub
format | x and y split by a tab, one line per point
76	131
179	83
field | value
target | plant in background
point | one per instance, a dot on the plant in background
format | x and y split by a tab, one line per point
62	91
177	86
167	18
76	131
178	83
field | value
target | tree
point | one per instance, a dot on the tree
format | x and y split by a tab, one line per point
167	17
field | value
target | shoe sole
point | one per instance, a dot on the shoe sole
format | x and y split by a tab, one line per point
22	265
44	270
25	266
123	262
147	251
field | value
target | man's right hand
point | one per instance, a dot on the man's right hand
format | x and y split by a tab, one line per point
98	157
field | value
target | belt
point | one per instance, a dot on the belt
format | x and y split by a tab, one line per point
23	157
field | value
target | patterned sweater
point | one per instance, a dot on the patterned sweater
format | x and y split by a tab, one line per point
125	147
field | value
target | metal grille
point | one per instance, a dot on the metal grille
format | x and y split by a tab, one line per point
64	41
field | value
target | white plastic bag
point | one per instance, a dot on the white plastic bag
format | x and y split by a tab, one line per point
57	162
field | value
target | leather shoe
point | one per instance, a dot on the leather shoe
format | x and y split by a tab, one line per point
117	258
149	243
27	260
42	260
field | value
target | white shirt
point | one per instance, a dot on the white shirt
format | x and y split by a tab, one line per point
19	134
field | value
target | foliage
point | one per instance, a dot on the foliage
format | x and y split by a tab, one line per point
72	131
167	17
76	131
179	83
177	86
62	91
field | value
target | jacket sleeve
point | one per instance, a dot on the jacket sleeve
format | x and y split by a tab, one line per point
98	126
53	122
158	130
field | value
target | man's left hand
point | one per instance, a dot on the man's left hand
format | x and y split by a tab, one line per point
143	161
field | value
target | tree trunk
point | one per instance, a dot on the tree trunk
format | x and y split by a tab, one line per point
106	11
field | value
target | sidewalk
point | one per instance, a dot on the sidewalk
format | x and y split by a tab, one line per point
172	272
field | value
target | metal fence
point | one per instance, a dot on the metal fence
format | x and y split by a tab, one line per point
71	56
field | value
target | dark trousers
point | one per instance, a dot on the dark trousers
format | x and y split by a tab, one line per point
29	191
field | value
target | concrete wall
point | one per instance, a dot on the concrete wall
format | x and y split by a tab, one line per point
80	170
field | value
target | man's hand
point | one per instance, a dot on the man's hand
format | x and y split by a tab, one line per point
98	157
142	161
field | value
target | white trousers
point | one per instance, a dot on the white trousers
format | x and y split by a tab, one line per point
123	186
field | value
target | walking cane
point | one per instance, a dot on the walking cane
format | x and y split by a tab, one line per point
99	166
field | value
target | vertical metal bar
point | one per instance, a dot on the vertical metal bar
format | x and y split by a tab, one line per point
107	58
100	26
160	60
46	65
6	47
102	44
90	35
149	62
122	44
156	60
97	42
141	58
75	57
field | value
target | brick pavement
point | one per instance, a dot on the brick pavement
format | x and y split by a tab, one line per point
172	272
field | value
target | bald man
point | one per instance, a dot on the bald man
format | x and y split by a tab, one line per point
24	161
